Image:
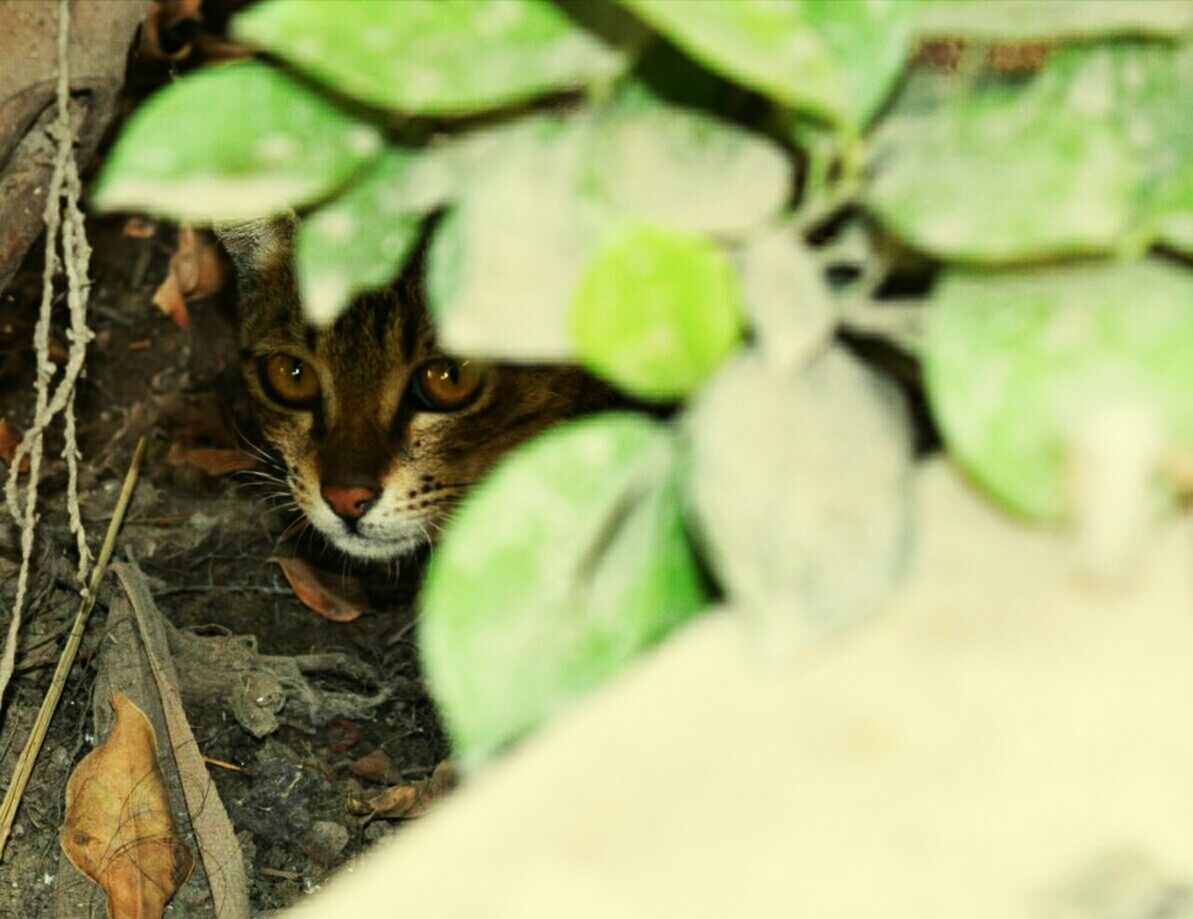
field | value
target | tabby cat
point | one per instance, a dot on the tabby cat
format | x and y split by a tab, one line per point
380	431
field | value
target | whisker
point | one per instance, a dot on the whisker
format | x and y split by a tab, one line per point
293	523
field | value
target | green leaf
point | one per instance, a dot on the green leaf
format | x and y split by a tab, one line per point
685	169
564	565
504	264
233	143
358	242
1028	20
835	60
657	312
432	57
800	484
1016	364
1094	156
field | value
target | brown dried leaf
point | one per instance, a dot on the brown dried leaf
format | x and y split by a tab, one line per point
376	767
9	440
405	802
118	828
196	271
214	461
169	299
161	32
139	228
334	597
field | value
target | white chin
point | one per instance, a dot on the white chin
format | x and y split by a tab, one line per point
374	549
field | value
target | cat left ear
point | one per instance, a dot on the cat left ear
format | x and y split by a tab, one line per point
256	245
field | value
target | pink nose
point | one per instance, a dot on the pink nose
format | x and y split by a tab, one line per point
350	503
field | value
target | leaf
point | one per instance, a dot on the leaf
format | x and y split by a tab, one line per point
196	271
684	169
1027	20
432	57
356	243
9	441
139	228
1016	366
215	461
235	142
406	802
657	312
564	565
788	305
1092	157
118	828
834	60
800	487
336	597
376	767
479	276
164	28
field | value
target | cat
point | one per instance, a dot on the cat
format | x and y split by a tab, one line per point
381	433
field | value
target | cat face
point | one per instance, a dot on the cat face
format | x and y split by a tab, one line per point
381	432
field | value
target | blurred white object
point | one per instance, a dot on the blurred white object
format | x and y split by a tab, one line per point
1002	742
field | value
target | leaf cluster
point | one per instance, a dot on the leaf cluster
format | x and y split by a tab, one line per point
691	198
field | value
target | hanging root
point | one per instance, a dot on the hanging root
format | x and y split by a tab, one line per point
63	219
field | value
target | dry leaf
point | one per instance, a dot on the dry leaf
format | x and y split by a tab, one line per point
376	767
58	352
118	828
139	228
405	802
8	445
214	836
334	597
166	29
214	461
8	441
170	300
196	271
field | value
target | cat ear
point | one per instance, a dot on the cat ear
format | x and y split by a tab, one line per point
256	245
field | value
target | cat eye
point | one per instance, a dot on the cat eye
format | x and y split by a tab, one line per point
445	385
286	379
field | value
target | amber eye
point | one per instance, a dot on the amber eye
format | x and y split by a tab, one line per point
287	380
445	385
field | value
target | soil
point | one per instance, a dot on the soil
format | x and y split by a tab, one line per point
205	543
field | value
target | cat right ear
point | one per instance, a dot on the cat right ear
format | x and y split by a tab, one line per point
257	245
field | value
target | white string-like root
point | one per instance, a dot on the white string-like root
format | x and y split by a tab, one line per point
66	220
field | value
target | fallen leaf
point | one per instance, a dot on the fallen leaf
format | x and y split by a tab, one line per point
58	352
167	29
196	271
351	736
215	461
118	828
376	767
334	597
405	802
9	441
139	228
170	300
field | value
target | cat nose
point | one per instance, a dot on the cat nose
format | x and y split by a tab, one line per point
349	502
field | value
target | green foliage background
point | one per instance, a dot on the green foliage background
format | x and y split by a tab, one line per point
691	197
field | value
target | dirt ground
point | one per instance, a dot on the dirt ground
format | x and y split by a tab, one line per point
205	544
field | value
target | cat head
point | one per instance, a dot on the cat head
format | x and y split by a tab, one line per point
380	431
